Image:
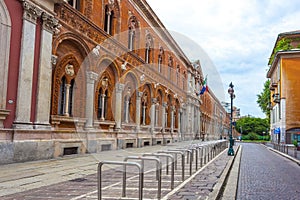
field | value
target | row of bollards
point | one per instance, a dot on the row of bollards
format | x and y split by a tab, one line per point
196	155
286	148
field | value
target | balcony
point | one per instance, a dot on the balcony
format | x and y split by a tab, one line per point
273	86
276	98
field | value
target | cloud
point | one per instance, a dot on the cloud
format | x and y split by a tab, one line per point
238	37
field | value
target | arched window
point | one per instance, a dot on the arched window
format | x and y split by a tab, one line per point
132	33
148	50
102	100
177	74
65	106
159	63
170	66
144	109
75	4
109	16
160	59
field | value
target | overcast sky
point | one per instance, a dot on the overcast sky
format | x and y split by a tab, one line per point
238	37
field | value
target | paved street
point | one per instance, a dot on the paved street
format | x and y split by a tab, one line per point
75	177
267	175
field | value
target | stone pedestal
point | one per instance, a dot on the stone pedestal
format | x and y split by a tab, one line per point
3	115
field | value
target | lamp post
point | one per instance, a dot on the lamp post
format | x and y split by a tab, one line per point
241	133
232	96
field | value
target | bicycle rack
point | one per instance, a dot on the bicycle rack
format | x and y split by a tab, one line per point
189	157
124	177
182	160
167	164
158	172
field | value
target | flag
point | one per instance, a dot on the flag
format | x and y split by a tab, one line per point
204	86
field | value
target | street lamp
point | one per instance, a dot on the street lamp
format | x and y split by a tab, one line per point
232	96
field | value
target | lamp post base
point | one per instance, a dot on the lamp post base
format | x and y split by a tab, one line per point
230	150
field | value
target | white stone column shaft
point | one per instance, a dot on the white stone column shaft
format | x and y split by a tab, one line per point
67	99
24	96
163	115
102	106
43	102
118	105
91	77
126	110
172	118
138	109
156	114
153	104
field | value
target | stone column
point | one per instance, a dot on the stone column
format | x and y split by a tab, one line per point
172	118
24	96
126	111
156	114
144	115
179	123
118	105
102	118
66	111
192	117
91	77
138	110
163	117
43	102
153	104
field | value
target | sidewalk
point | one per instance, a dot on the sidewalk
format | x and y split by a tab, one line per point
58	178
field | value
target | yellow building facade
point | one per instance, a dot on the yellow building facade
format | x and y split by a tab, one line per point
284	74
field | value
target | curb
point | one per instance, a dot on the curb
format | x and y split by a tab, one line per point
219	189
285	155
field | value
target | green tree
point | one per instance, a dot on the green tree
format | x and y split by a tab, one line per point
263	99
253	128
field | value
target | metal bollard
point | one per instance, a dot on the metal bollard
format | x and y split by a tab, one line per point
124	177
167	169
182	160
158	170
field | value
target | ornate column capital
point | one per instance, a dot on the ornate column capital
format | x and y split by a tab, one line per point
31	12
165	104
119	87
91	76
153	100
50	23
139	94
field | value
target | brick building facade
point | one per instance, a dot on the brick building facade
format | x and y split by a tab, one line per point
84	76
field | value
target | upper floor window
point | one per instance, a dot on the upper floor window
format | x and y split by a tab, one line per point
170	66
177	74
75	4
160	59
132	33
109	16
149	46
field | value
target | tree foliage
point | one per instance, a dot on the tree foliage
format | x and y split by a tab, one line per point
252	125
263	99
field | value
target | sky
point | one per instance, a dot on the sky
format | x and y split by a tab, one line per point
233	40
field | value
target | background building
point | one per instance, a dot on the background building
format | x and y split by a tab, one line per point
86	76
285	95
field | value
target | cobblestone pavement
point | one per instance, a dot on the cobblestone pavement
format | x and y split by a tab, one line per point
266	175
75	178
203	183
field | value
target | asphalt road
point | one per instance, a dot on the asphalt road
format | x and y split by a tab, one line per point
266	175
